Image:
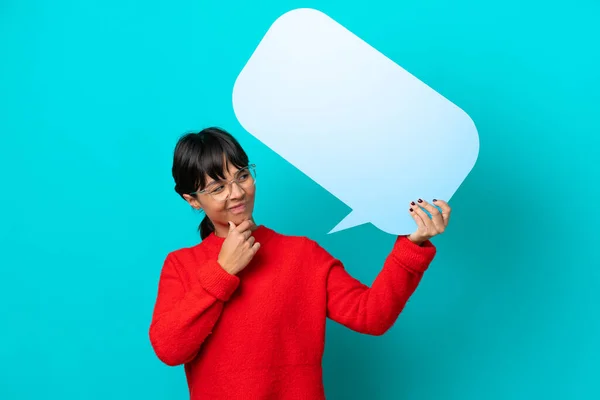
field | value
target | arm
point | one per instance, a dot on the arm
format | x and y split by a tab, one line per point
182	319
374	310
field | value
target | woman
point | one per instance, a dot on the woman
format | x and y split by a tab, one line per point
245	309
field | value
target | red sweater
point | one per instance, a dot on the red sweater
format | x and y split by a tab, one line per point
260	334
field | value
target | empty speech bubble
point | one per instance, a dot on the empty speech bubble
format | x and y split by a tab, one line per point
355	122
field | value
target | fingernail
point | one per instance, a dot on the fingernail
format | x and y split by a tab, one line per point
413	203
420	201
411	210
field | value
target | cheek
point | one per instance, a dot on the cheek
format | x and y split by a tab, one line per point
250	194
215	208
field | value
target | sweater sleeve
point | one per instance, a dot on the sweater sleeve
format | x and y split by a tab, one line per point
183	319
373	310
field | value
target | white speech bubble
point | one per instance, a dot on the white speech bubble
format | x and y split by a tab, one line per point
361	126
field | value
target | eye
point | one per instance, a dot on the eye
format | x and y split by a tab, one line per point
216	189
244	176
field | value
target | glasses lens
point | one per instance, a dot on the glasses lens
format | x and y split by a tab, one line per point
222	194
245	178
219	191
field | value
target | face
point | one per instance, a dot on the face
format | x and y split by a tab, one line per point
237	207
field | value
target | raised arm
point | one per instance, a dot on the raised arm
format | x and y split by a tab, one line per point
373	310
183	319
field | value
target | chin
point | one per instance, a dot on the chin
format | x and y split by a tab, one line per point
241	217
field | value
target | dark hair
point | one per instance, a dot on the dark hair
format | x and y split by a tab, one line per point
197	155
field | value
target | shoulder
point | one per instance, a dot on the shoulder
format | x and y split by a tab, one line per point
289	241
179	254
183	263
185	257
301	246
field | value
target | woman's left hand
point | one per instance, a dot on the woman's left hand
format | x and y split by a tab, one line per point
429	227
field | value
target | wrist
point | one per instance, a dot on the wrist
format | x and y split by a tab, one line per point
416	241
225	267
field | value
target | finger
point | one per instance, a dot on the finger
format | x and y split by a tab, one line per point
247	234
446	210
255	247
427	222
244	226
231	226
417	218
436	215
251	241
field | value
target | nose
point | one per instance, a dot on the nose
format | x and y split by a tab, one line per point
235	191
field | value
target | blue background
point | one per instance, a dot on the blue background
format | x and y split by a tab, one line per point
94	95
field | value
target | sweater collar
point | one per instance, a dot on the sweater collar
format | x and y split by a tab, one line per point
261	235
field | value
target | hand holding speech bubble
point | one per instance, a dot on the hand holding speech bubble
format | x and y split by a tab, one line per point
355	122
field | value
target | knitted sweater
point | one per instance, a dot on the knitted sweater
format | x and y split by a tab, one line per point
260	334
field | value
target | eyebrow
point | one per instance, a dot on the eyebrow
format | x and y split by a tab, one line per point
224	180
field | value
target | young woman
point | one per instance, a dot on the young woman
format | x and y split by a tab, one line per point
245	309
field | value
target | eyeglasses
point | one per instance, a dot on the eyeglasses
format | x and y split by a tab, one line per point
245	178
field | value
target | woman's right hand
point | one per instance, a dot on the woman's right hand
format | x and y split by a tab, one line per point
239	247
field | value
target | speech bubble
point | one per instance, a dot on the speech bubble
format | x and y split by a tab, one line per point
352	120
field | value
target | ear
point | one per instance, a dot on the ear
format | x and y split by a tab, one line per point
192	201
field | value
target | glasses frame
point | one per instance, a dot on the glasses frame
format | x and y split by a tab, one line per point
250	168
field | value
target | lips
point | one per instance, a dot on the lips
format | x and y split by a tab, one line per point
238	208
